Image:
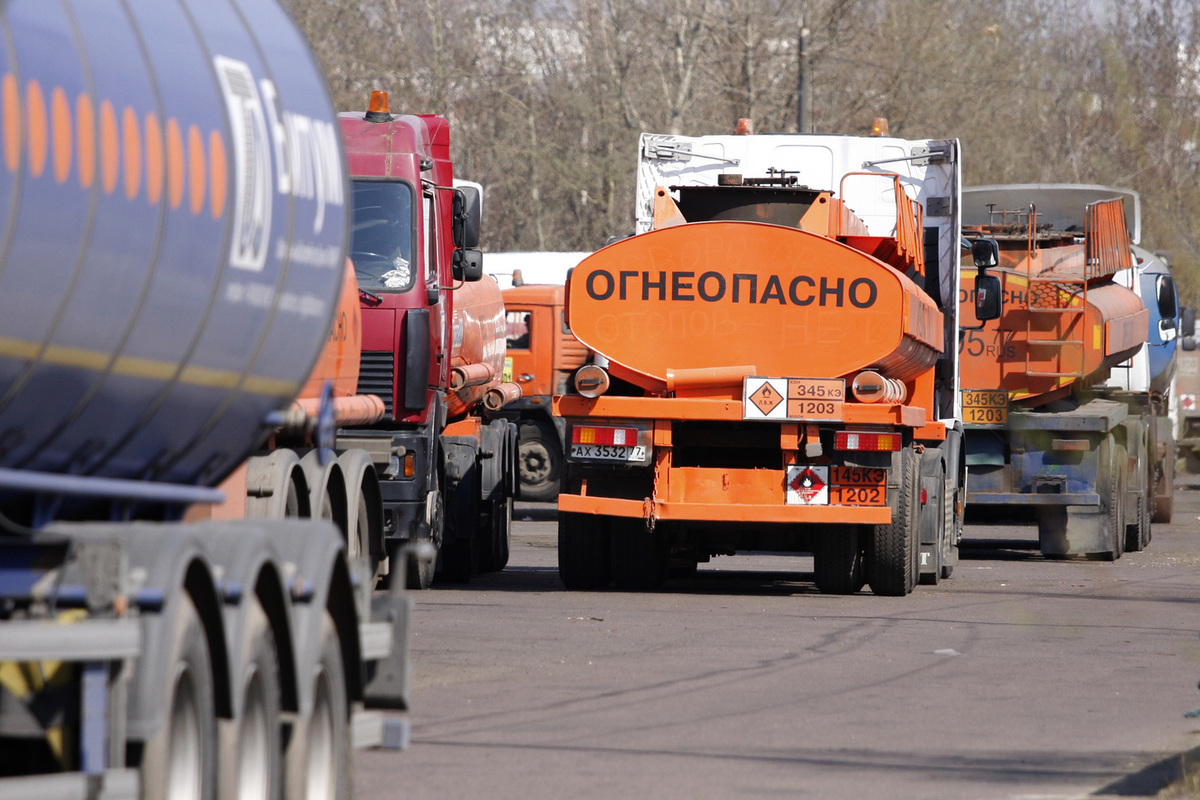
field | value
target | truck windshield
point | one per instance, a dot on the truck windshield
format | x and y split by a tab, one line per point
382	236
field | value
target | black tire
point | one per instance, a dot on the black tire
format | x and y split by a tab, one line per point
683	569
1164	507
1113	461
358	535
1116	515
584	552
499	523
467	536
950	530
540	460
421	572
839	562
894	562
460	560
932	576
180	761
641	559
1191	462
251	761
318	754
1137	532
1164	488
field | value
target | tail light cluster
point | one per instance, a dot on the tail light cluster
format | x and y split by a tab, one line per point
594	434
869	441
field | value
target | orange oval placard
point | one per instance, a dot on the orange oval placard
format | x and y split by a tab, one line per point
715	294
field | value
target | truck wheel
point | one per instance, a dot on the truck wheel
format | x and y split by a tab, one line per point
584	552
460	560
1164	488
838	566
499	524
894	560
364	510
1164	507
180	762
540	457
318	755
1137	531
421	571
251	745
641	559
930	574
1113	472
951	529
1191	462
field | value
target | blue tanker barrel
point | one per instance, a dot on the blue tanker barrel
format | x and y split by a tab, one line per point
173	226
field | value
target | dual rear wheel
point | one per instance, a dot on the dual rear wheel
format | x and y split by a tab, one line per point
193	756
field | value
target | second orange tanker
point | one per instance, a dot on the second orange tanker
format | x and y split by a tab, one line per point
1041	428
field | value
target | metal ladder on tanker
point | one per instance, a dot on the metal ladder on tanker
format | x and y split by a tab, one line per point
1106	251
1069	321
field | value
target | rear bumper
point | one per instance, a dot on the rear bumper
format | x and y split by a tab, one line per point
663	510
1030	499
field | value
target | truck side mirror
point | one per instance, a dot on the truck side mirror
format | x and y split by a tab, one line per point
986	254
1166	297
468	210
467	265
988	302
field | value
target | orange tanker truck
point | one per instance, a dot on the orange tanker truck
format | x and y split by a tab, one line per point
772	368
542	357
1042	429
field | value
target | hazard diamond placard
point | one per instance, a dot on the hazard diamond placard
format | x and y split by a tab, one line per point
796	399
807	485
764	398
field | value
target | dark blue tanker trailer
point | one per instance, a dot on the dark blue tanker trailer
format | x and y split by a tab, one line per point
173	226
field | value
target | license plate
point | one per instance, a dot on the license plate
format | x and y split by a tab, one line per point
609	452
985	408
858	486
858	476
858	495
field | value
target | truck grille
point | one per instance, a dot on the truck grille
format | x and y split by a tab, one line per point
376	371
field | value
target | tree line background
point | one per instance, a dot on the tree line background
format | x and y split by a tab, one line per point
547	97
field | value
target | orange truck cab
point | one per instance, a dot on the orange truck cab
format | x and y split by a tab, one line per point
775	366
542	358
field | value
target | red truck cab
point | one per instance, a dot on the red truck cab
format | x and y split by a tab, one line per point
446	472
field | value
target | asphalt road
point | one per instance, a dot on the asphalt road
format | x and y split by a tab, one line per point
1019	677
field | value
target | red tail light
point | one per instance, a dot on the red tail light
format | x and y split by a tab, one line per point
590	434
866	440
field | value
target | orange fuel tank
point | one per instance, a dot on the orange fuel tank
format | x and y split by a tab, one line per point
776	300
1065	323
479	337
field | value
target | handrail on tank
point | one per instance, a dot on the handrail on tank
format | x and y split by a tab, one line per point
910	220
1106	238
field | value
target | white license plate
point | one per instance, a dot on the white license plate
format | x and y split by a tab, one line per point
609	452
